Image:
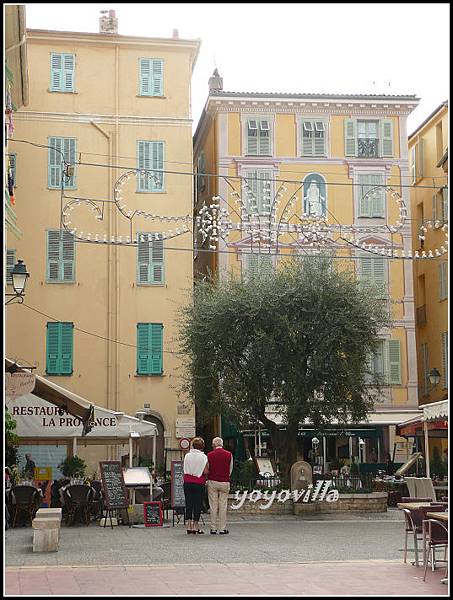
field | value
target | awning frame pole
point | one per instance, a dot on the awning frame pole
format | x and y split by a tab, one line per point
74	446
154	464
425	431
324	452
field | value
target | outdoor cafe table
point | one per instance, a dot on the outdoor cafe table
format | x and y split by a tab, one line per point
414	505
440	516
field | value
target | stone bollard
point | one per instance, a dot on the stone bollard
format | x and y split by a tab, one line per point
45	534
51	513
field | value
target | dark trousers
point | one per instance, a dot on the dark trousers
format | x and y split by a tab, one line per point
193	493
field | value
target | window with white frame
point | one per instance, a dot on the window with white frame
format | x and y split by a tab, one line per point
368	138
313	137
258	137
425	368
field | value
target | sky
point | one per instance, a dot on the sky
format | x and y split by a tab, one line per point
366	48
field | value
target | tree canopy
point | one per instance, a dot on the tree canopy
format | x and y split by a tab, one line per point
295	343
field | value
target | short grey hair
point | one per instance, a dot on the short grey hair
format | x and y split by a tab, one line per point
217	442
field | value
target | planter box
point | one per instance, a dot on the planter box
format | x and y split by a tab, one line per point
373	502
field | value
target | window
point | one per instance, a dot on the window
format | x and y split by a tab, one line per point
62	68
258	137
385	363
315	195
10	262
443	280
439	141
150	259
445	204
201	179
151	76
368	139
372	270
67	146
258	191
149	348
59	348
445	357
150	156
257	264
313	138
60	256
371	204
425	368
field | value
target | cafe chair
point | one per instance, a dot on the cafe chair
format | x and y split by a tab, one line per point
413	525
435	535
77	498
166	498
413	499
97	501
24	499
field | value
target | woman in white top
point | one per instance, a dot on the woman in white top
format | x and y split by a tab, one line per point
195	469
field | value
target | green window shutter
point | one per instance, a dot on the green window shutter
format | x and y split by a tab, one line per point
56	72
443	280
364	201
158	163
67	345
366	269
264	138
386	138
445	204
372	270
394	358
308	138
67	256
143	259
55	159
252	137
319	138
156	343
143	351
251	265
377	197
53	363
157	77
419	159
10	262
350	137
252	201
157	261
53	255
145	76
445	357
68	72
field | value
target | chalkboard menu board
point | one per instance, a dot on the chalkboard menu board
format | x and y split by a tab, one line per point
152	514
177	484
115	492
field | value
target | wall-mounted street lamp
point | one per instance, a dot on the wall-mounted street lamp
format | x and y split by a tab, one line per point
434	377
19	276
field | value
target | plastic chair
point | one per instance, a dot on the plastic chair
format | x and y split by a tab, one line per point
24	499
435	535
78	498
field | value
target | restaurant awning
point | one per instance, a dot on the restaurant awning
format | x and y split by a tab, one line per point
434	415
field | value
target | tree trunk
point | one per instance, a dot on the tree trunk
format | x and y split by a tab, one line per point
285	444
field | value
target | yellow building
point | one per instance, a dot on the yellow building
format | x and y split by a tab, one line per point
337	158
428	152
105	284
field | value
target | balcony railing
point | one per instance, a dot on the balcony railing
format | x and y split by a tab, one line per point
421	315
368	147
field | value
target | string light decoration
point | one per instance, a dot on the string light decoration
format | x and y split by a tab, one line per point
129	240
215	222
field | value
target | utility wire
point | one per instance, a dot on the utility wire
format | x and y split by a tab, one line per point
93	334
215	175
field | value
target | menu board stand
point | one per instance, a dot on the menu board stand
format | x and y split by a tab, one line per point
177	498
152	514
115	493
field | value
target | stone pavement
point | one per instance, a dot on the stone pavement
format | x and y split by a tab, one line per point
347	554
348	578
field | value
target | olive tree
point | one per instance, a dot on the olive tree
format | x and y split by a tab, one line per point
294	343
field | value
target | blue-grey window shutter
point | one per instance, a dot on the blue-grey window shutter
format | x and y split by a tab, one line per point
350	137
145	76
60	256
143	259
157	182
157	261
394	357
387	138
67	146
68	72
10	262
158	77
56	72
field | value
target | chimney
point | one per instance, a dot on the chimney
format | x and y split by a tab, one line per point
215	81
108	23
175	34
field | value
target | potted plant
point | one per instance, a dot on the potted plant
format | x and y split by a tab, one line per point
73	467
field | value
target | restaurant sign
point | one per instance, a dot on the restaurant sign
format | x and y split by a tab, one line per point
19	384
320	493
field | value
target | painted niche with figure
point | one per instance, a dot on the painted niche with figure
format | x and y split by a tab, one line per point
315	195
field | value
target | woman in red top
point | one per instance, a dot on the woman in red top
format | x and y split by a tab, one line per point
195	469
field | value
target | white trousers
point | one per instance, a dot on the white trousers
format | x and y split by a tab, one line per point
218	498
